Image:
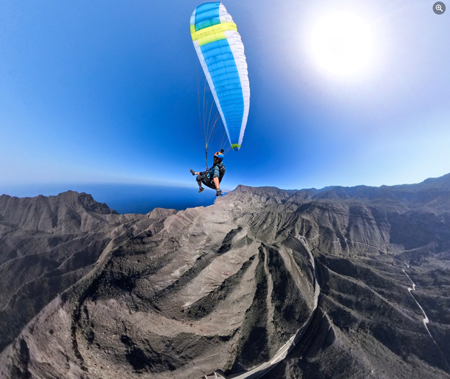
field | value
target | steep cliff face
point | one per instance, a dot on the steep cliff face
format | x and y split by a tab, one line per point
49	243
326	283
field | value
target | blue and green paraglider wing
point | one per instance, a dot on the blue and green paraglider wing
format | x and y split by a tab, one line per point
221	53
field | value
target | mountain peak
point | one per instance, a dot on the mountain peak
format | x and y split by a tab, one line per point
65	213
311	283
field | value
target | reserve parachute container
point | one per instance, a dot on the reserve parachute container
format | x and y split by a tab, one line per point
221	53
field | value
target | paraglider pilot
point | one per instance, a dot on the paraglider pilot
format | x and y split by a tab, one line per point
213	176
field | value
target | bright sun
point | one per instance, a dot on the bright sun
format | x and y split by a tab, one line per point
342	44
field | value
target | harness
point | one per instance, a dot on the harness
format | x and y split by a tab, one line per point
221	172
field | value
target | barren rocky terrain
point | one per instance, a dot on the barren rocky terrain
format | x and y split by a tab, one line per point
332	283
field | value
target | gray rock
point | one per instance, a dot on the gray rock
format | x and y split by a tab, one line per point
88	293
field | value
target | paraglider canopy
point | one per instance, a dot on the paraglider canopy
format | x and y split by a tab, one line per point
221	53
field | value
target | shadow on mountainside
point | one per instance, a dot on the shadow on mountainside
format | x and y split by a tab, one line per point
182	294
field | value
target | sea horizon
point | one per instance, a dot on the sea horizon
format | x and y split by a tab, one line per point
123	198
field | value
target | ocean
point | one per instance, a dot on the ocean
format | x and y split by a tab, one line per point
124	198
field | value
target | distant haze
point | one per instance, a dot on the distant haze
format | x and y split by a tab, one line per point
125	198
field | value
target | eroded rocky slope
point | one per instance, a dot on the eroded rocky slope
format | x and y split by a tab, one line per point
88	293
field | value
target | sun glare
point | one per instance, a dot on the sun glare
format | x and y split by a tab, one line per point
342	44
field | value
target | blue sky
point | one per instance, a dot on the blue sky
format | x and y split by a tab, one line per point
106	92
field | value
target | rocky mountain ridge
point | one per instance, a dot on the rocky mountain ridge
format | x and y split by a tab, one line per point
88	293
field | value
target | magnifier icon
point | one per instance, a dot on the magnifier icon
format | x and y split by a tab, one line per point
439	7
